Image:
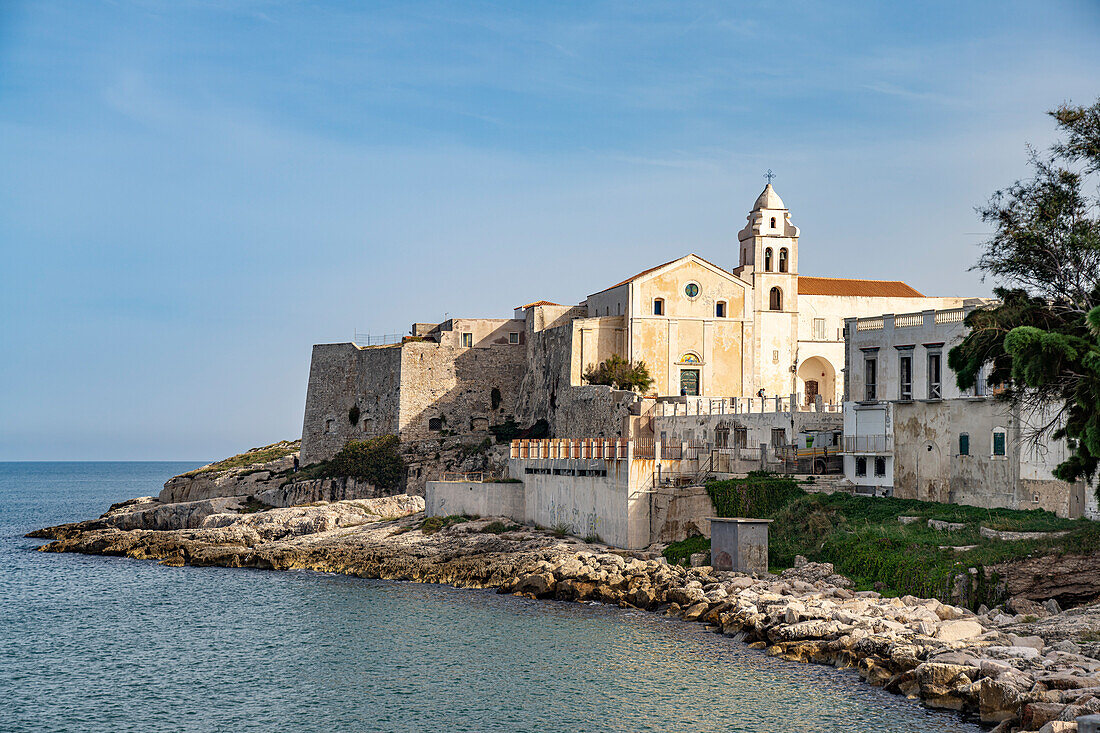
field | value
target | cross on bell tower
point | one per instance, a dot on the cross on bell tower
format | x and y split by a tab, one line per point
769	175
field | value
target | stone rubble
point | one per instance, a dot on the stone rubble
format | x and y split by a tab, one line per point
1023	667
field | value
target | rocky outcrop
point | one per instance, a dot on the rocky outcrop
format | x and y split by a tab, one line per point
1003	668
244	475
1071	579
322	489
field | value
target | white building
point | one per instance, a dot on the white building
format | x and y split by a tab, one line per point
910	432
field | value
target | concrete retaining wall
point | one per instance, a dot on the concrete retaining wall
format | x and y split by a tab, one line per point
444	498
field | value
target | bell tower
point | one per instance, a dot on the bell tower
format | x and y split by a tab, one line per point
769	261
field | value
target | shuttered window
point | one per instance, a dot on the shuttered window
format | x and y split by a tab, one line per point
964	444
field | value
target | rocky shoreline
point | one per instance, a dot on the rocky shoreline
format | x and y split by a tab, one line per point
1025	671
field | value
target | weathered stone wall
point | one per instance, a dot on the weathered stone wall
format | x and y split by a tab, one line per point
547	392
465	389
342	376
929	466
417	391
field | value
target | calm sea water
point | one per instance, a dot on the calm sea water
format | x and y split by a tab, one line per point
112	644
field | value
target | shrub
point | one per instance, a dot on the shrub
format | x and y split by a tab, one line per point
431	525
680	552
617	372
561	529
758	495
498	527
375	460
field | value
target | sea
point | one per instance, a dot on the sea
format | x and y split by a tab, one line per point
114	644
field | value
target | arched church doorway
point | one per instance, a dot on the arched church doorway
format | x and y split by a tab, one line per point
816	376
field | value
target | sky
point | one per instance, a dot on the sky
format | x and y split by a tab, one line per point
193	192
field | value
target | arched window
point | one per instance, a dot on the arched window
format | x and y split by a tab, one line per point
720	309
768	260
775	300
773	222
783	260
658	306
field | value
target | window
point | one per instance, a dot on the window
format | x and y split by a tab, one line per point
880	466
819	329
720	309
775	300
435	423
905	377
740	437
513	338
783	260
779	437
964	444
773	222
722	437
658	306
979	382
328	426
691	290
998	442
870	377
768	260
467	340
861	466
935	388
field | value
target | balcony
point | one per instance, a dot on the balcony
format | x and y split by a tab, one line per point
868	444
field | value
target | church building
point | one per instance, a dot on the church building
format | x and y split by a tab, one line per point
705	330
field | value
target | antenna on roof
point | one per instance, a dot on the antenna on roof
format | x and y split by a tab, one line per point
769	175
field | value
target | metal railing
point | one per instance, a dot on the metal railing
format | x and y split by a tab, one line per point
868	443
366	339
473	477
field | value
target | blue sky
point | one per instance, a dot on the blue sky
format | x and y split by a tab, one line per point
195	192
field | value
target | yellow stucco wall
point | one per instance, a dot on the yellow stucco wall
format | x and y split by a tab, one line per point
690	326
670	286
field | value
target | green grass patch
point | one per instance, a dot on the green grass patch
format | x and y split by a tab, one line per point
678	553
265	454
864	540
431	525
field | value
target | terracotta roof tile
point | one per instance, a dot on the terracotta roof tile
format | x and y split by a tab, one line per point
537	303
864	288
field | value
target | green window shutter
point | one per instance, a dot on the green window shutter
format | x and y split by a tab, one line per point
964	445
998	444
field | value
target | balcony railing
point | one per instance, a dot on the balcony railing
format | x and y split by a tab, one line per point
868	443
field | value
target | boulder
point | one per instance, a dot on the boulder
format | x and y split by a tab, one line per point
958	630
1026	606
941	526
1037	714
